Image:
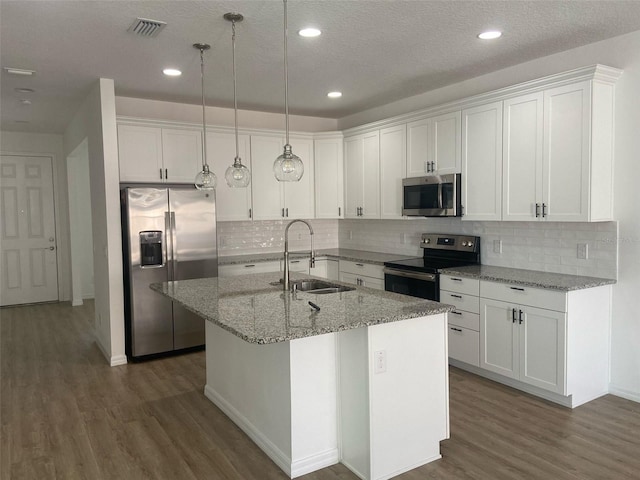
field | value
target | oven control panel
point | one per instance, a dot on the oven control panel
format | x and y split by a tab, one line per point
461	243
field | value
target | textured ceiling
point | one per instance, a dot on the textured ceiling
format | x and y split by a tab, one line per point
373	51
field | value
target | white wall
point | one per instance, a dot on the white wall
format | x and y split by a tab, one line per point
182	112
95	121
621	52
49	145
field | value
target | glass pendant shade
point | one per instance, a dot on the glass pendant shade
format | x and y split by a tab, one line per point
288	167
237	175
205	179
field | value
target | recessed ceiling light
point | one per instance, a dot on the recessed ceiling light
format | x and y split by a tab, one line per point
490	35
19	71
25	90
334	94
309	32
172	72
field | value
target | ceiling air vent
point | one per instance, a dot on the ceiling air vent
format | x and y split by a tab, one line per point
146	28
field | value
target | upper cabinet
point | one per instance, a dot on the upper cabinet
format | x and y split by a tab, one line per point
393	145
231	203
482	162
273	200
433	145
152	154
362	175
329	189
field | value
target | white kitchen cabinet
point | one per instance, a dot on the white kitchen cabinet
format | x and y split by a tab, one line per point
362	274
393	148
434	145
150	154
320	269
231	203
329	175
482	162
233	270
362	175
522	156
523	342
272	199
464	321
333	269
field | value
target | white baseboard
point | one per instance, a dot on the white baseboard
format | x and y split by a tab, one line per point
627	394
272	451
76	302
315	462
118	360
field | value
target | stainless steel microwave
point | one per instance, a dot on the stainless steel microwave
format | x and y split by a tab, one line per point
432	196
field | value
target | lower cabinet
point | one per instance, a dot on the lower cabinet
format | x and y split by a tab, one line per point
362	274
463	322
525	343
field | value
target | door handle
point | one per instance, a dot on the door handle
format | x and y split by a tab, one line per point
520	319
456	296
544	210
537	210
160	174
287	210
166	174
513	315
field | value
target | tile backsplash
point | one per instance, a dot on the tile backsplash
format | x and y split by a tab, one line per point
243	238
545	246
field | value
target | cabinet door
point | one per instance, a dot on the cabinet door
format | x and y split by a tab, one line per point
447	137
320	269
371	282
349	278
231	203
482	162
566	152
140	154
522	157
267	191
181	154
298	196
498	338
542	348
371	176
328	166
419	143
393	144
353	164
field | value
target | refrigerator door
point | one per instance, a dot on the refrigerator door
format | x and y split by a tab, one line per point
194	255
149	319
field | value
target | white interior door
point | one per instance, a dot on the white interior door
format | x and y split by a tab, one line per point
28	265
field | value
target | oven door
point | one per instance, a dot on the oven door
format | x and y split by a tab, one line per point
422	285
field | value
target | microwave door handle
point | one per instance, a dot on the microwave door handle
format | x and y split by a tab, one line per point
440	196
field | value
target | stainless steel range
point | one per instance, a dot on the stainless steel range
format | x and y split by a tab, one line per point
420	277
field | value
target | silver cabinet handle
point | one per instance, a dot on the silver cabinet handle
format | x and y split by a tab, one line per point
455	313
287	209
294	261
283	212
456	279
339	211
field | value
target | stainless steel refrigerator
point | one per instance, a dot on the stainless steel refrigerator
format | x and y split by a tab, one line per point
168	234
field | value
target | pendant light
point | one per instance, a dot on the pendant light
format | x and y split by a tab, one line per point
205	179
288	167
237	175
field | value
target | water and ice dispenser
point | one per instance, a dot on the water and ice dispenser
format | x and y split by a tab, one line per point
151	248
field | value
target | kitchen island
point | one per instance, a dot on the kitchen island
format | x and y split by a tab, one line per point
362	381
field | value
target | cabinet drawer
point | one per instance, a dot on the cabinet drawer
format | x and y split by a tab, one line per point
535	297
464	345
296	265
359	268
462	301
470	286
247	268
464	319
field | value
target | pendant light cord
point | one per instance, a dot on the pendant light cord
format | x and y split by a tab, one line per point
204	127
286	76
235	97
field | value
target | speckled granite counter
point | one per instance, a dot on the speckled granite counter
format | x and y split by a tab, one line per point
256	311
529	278
375	258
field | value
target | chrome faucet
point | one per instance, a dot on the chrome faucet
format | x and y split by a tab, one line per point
312	260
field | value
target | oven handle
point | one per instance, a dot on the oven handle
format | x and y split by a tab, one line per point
429	277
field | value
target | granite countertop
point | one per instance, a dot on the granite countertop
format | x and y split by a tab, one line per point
250	307
528	278
376	258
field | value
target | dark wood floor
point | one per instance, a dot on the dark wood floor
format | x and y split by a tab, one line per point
65	414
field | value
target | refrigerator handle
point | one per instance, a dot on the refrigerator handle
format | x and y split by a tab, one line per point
174	246
167	250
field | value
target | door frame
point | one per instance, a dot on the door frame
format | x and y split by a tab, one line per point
61	232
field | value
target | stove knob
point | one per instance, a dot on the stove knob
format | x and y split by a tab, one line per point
426	240
464	244
470	244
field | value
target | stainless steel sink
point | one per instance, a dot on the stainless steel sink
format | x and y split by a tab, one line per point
318	287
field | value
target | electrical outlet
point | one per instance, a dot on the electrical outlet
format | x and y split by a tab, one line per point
583	251
403	238
380	361
497	246
350	235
